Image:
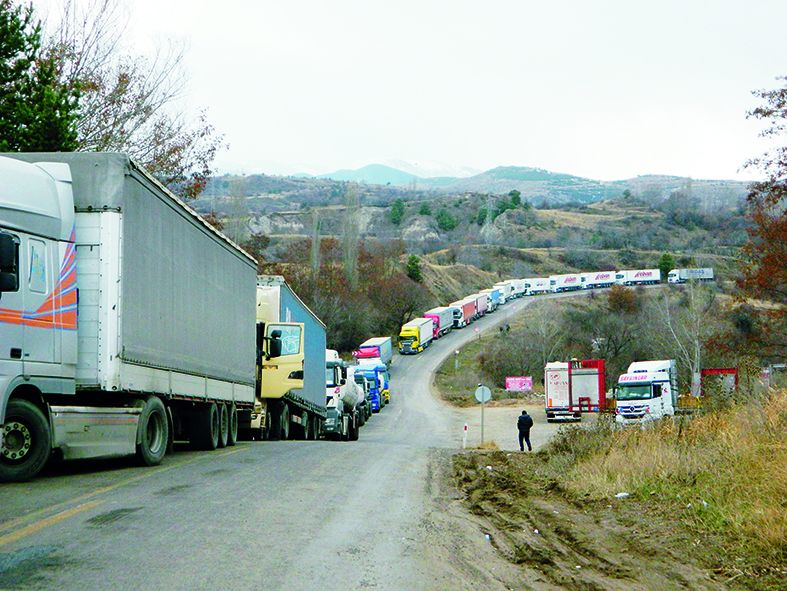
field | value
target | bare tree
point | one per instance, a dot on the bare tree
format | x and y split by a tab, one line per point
127	102
687	318
236	225
314	255
350	235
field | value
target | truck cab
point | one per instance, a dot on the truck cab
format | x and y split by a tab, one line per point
646	392
337	422
377	381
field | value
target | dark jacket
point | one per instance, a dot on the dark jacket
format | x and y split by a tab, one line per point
524	422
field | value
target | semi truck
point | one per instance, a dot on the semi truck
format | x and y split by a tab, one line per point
597	279
567	282
573	387
506	291
443	319
683	275
646	392
536	285
464	311
481	304
125	319
342	400
416	335
494	298
638	277
377	383
380	348
519	287
290	392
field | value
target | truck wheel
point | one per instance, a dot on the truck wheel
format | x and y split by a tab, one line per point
205	434
152	432
284	422
362	417
224	425
306	427
316	422
354	428
232	432
26	442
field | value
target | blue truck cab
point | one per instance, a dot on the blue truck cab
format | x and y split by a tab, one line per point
376	377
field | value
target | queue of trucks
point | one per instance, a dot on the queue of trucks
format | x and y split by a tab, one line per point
128	323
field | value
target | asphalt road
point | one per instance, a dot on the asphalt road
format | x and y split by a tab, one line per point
371	514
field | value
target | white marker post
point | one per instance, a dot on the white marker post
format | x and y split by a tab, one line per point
464	437
482	394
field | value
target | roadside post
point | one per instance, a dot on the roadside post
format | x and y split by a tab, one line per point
464	437
482	394
456	360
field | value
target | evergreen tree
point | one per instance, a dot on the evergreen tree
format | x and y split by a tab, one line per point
38	113
414	268
666	264
397	212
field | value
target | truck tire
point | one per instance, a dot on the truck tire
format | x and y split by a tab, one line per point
316	423
224	425
152	432
284	422
232	433
26	442
354	428
205	428
305	428
362	417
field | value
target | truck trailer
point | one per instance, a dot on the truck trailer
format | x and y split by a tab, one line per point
380	348
126	319
683	275
291	365
443	319
416	335
567	282
638	277
536	285
573	387
481	304
494	298
597	279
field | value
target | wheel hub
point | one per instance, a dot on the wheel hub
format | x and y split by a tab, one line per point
16	441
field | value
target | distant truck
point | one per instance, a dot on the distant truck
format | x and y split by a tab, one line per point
113	344
416	335
494	298
291	386
464	312
683	275
481	304
376	348
519	287
567	282
638	277
536	285
342	399
597	279
506	291
443	319
646	392
574	387
376	380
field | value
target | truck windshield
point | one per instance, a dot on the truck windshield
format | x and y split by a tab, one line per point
630	392
330	380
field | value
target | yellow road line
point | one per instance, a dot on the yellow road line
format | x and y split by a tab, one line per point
10	525
41	524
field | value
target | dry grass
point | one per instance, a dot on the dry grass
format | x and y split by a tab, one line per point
723	474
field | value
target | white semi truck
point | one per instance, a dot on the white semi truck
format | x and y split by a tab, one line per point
126	321
638	277
342	399
683	275
646	392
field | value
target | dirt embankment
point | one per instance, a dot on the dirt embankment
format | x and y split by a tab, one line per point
562	545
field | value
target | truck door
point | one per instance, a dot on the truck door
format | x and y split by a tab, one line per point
284	373
11	309
37	280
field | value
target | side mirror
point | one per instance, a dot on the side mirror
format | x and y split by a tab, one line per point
8	249
274	345
342	382
8	282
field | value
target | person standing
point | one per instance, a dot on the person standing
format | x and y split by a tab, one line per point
523	424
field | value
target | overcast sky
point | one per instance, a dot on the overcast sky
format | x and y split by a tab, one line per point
603	89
